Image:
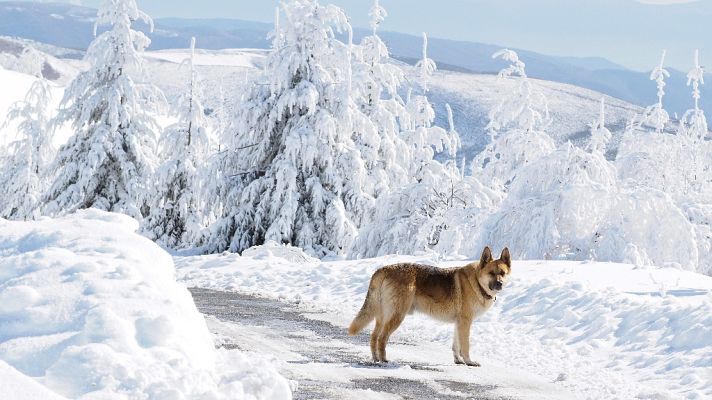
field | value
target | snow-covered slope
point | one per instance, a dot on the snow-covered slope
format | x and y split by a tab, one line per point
471	96
21	56
572	108
90	309
17	386
602	331
70	26
242	58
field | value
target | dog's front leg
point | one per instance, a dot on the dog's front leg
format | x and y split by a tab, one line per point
456	351
463	333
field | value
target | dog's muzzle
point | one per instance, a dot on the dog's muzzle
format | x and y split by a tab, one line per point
496	286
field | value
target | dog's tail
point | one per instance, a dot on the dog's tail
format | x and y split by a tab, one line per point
370	305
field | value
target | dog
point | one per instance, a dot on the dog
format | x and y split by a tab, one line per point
456	295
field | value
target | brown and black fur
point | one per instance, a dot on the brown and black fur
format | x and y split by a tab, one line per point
457	295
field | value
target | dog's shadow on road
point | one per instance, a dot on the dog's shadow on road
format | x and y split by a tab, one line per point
393	365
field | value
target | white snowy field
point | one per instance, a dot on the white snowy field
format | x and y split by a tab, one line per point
245	58
90	309
599	330
572	108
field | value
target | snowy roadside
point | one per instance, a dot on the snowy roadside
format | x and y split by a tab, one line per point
90	309
600	330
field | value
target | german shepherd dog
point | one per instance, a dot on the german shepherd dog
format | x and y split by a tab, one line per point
457	295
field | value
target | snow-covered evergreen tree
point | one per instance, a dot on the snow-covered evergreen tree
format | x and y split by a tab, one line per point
176	217
570	204
674	164
655	115
525	107
426	66
600	135
416	200
517	127
425	139
443	217
377	128
23	167
294	174
107	162
422	209
693	123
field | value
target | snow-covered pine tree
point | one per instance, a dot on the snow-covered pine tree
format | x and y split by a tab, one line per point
436	193
176	217
691	134
426	67
23	169
444	218
674	164
424	139
377	130
694	123
107	162
550	213
525	107
655	115
600	135
293	172
516	126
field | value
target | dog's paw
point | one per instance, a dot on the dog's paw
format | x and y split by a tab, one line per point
472	364
459	362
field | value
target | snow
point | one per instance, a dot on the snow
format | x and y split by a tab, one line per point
571	108
424	364
15	86
244	58
89	309
26	57
16	386
600	330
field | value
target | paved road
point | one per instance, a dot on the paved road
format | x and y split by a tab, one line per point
328	364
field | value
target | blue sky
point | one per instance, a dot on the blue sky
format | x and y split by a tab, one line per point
629	32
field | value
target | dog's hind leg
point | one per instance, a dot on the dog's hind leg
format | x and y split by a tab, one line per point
388	328
463	333
456	351
374	339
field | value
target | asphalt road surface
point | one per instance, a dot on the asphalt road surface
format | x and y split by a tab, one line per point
326	363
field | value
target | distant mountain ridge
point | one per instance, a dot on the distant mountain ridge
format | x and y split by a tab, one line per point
71	26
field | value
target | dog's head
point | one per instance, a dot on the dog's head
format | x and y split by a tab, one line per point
493	274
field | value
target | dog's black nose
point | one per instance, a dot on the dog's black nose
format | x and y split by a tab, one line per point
498	286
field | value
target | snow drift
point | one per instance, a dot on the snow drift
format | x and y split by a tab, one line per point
91	309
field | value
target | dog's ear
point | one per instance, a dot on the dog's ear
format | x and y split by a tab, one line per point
506	257
486	256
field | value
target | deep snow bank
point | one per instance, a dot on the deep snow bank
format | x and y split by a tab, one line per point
91	309
16	386
601	330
